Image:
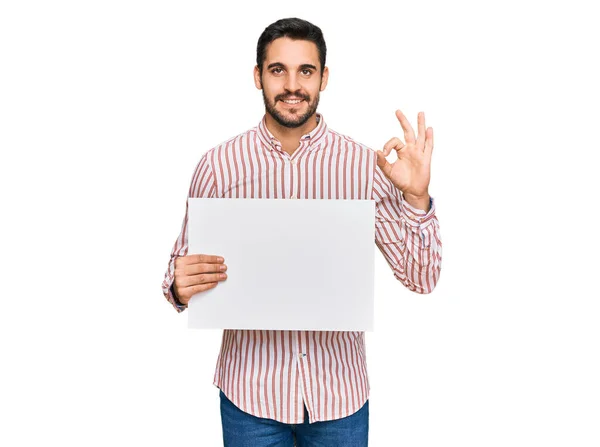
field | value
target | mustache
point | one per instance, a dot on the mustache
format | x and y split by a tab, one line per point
297	95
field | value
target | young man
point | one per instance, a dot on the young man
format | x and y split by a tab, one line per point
309	386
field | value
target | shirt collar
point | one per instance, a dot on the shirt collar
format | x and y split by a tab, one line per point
314	137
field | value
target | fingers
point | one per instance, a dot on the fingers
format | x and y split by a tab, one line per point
421	130
201	288
195	280
194	264
197	273
185	294
429	141
409	134
199	258
188	285
183	279
383	164
195	269
394	143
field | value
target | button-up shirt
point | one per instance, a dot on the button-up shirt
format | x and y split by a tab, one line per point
271	373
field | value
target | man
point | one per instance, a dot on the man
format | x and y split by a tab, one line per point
308	386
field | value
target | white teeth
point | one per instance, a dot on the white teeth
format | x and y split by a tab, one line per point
292	101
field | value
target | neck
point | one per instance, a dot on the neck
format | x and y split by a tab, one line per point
290	137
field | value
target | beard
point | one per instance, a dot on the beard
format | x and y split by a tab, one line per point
295	120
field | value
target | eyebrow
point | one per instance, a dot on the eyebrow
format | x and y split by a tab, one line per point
279	64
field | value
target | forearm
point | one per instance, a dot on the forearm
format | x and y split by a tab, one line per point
168	287
202	185
408	237
413	251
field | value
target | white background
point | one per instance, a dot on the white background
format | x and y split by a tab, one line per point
106	107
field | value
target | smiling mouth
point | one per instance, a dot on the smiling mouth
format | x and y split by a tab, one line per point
292	101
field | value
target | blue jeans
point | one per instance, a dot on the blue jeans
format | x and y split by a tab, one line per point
241	429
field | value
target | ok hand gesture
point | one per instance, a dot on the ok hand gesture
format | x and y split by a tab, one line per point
410	173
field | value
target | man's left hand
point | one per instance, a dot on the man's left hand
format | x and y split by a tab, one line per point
410	173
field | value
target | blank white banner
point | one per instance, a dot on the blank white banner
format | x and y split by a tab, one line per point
291	264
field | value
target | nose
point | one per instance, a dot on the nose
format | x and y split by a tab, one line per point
291	82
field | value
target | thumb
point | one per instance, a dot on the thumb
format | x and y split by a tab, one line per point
381	161
383	164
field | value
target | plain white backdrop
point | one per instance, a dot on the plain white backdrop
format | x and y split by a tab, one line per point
105	109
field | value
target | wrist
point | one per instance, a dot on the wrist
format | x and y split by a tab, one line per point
419	201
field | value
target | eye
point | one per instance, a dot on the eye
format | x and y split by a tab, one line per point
306	72
277	70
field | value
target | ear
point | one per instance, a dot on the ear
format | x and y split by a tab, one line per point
324	78
257	81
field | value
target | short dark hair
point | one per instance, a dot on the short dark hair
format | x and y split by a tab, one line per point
295	29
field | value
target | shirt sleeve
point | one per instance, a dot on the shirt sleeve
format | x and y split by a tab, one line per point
409	238
202	185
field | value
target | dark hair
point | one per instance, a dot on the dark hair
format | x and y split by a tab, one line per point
295	29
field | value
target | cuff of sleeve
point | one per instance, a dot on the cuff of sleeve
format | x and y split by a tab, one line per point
170	295
180	307
415	217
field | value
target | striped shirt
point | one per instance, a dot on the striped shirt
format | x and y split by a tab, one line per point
273	374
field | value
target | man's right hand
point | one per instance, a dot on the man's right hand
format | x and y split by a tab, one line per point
197	273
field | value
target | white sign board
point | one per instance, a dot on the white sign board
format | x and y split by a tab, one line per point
291	264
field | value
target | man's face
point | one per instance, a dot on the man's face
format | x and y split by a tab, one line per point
291	80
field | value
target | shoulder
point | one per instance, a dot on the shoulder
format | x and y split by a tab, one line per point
237	142
348	143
